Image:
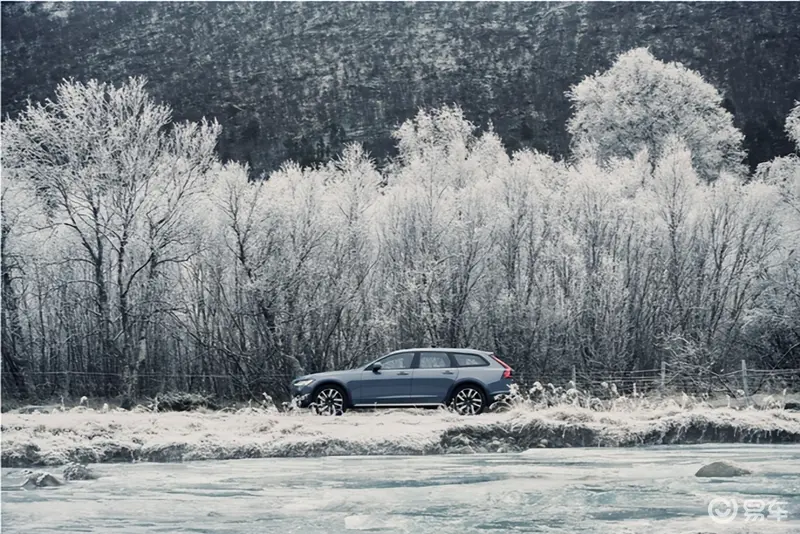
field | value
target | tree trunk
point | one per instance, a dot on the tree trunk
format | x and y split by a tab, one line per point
14	364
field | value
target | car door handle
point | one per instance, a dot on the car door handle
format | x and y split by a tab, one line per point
402	373
447	372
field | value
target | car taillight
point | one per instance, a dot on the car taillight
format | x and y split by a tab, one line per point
508	370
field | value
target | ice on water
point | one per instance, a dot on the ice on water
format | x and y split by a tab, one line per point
649	489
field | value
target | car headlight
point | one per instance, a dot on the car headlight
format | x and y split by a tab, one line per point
303	383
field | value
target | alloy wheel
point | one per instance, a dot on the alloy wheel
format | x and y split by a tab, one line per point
468	401
329	401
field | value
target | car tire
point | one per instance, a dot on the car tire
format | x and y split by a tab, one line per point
468	400
329	400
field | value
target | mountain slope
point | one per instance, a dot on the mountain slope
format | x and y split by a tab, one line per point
297	80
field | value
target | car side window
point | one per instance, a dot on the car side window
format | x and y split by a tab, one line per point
470	360
398	361
434	360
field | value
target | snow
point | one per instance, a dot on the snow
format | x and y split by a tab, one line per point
84	435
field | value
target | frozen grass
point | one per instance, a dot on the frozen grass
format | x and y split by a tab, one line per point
85	435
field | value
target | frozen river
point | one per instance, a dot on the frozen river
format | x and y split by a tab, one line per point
639	490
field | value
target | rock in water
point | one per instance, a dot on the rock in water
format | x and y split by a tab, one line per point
40	479
722	469
74	471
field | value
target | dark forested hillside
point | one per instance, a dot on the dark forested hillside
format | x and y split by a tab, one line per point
295	80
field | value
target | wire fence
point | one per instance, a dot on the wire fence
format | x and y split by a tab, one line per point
45	374
46	384
666	379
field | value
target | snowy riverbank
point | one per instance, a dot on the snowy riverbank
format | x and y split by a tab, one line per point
87	436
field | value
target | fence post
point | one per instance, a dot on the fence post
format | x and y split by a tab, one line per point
574	378
744	383
663	376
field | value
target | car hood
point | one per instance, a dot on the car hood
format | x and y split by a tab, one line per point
332	374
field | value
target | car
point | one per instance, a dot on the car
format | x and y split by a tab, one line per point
467	380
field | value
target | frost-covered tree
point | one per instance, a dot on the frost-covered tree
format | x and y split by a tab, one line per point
784	172
120	179
207	280
436	233
21	216
776	323
793	125
641	102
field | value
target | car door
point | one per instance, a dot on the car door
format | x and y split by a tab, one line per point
389	385
433	376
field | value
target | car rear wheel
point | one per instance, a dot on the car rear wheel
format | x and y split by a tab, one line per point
329	400
468	400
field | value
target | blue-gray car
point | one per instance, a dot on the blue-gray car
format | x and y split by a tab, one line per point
465	379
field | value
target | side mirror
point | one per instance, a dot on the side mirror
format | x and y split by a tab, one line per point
377	366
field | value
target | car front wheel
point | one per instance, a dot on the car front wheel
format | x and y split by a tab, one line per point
329	400
468	400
